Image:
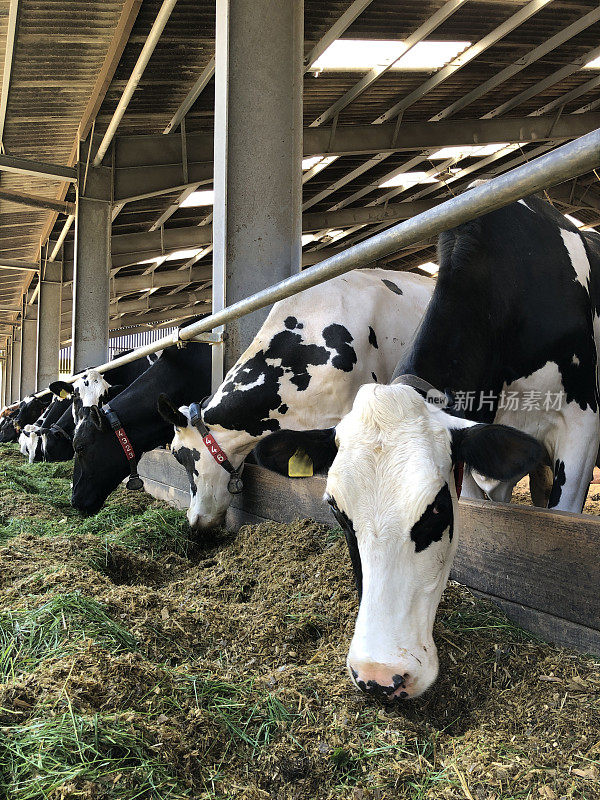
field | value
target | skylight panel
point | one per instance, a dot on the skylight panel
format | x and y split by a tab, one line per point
307	238
429	267
183	254
309	163
408	179
594	64
464	151
366	54
201	198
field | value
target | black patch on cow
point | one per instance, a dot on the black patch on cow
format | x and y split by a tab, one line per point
497	451
283	409
290	322
506	303
337	337
374	377
249	410
557	483
188	457
391	285
435	520
346	525
275	451
373	338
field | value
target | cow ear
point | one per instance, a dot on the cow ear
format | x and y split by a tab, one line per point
61	388
497	451
275	451
98	419
170	413
113	391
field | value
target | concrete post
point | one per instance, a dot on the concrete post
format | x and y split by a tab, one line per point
92	264
29	350
257	218
8	371
48	333
15	379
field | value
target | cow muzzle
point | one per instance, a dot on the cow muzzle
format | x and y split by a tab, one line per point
408	678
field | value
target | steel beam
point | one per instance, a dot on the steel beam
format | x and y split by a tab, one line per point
518	18
140	65
545	83
534	55
424	30
133	153
11	32
20	266
36	201
38	169
353	11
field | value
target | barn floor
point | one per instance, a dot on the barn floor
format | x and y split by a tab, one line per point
134	664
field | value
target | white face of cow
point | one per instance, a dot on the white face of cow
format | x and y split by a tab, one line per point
209	495
391	487
91	388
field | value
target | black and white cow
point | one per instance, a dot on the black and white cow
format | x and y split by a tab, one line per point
302	371
515	309
100	464
8	431
30	409
32	437
91	390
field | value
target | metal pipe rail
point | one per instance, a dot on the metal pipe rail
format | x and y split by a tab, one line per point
568	161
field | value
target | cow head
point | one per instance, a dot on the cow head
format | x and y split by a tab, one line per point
391	488
209	481
90	390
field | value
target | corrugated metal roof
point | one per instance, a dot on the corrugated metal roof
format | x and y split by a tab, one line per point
61	46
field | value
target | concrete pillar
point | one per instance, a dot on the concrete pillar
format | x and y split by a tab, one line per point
15	379
8	371
92	266
29	350
48	333
257	218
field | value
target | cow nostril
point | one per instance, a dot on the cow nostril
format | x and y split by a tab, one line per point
406	675
403	695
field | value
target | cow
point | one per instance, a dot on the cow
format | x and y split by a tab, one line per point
30	409
32	437
100	464
301	371
8	432
515	309
89	390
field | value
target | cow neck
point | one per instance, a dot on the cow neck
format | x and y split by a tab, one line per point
235	484
134	482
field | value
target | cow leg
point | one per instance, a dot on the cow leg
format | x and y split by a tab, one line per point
573	457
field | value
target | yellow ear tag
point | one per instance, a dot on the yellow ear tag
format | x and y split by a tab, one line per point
63	394
300	465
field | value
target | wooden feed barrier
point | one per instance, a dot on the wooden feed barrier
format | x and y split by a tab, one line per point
541	567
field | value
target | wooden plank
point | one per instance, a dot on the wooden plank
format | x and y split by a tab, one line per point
547	626
549	560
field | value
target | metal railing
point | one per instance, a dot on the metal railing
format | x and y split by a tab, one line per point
568	161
